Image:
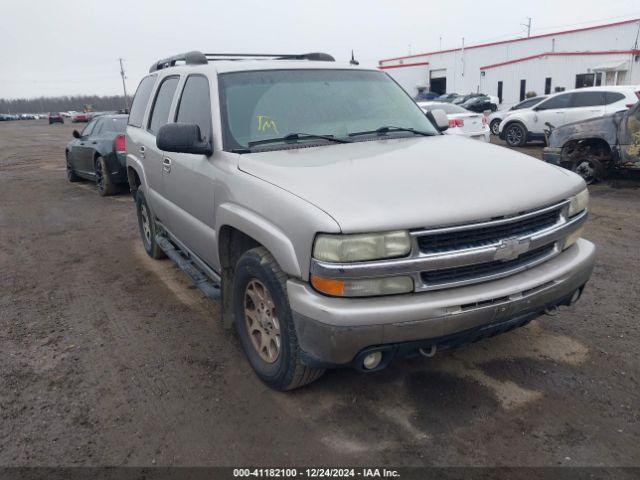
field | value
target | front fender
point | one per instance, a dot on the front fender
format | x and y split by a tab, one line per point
261	230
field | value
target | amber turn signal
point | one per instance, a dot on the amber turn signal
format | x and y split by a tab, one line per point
328	286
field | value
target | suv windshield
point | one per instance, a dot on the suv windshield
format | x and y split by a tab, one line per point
272	104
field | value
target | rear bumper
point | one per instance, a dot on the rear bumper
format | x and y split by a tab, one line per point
117	165
338	332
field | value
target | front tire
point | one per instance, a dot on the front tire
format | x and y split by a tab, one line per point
264	322
495	126
148	227
515	135
105	185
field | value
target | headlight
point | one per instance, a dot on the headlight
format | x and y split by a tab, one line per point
361	247
579	202
367	287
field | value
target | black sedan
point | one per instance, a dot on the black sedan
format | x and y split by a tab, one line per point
98	153
479	104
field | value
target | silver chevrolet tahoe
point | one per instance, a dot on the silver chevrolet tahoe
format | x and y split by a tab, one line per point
335	222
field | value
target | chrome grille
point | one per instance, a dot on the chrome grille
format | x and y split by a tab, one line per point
486	235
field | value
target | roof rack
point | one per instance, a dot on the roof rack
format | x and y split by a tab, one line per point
199	58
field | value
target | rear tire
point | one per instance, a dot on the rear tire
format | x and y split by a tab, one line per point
264	322
105	185
71	174
148	228
515	134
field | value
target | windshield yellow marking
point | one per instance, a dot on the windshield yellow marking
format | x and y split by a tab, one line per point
265	124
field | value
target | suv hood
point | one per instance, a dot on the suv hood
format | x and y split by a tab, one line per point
413	182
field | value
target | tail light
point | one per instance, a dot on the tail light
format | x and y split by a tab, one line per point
484	119
119	144
630	105
456	122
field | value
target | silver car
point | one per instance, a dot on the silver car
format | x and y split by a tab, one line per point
335	222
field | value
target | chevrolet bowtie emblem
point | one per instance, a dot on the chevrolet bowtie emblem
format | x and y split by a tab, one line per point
510	249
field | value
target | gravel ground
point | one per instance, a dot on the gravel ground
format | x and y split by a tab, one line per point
109	357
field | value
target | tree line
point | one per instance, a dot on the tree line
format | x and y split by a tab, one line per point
61	104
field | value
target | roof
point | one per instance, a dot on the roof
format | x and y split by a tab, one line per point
560	54
521	39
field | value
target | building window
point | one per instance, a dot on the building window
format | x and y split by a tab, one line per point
523	89
500	91
547	85
585	80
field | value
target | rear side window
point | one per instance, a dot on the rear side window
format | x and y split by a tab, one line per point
162	104
561	101
587	99
612	97
140	100
113	125
195	104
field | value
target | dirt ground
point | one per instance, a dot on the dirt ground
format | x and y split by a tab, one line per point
109	357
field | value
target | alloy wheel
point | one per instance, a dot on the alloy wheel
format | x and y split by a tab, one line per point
262	322
146	225
515	135
99	176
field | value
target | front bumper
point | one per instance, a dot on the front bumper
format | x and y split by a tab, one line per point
335	331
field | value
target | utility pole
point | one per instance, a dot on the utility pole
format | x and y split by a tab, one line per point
528	25
124	86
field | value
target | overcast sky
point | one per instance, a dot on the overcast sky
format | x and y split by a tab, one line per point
72	46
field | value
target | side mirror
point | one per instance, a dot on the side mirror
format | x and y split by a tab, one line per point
182	138
76	134
440	118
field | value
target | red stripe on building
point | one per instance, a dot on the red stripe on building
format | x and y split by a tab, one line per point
560	54
385	67
502	42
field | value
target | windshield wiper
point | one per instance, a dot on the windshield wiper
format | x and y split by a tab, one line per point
389	129
294	137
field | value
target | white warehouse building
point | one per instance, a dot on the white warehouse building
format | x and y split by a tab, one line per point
509	69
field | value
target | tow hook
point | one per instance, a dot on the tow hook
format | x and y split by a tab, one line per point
430	353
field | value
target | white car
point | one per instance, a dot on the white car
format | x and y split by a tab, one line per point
496	117
461	121
566	107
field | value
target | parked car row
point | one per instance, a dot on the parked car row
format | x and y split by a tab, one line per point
4	117
475	102
528	121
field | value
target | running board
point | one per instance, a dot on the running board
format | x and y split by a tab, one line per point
205	283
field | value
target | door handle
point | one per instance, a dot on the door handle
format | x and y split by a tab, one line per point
166	165
142	150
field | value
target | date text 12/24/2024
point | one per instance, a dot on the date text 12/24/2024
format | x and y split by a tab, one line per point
315	473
